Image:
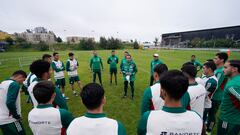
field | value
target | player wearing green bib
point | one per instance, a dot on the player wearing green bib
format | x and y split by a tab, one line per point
58	68
45	119
123	60
71	67
151	98
10	107
173	119
96	66
113	61
154	63
129	69
229	122
196	63
219	60
94	122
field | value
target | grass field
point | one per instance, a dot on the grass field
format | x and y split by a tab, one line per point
125	110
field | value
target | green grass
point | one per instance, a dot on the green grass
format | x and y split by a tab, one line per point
125	110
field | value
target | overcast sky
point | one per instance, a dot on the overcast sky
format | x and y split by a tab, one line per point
126	19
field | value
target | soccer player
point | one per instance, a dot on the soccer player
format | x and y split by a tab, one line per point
124	60
31	77
96	66
59	68
219	60
71	67
113	61
210	85
154	63
45	119
195	96
43	72
196	63
229	122
173	119
10	107
129	69
151	98
94	122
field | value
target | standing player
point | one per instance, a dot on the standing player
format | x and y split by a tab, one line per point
113	61
94	122
151	99
59	68
210	85
196	63
219	60
124	60
71	67
43	72
154	63
129	69
195	96
229	123
173	119
45	119
96	66
10	107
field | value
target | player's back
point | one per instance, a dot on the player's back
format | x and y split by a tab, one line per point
197	94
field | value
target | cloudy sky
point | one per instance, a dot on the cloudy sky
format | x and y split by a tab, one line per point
126	19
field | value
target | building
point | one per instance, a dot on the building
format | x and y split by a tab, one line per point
37	35
180	39
76	39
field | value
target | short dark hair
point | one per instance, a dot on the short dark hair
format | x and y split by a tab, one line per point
70	54
190	70
222	55
125	51
92	95
210	65
193	55
187	63
235	63
45	56
55	53
39	67
175	83
43	91
113	50
20	72
160	68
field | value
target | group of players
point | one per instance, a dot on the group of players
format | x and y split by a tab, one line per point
176	103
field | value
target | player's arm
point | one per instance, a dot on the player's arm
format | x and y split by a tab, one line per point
135	68
142	125
59	100
185	101
235	95
101	63
146	101
66	118
117	60
68	66
108	61
200	65
90	64
63	67
12	95
121	66
121	129
54	67
211	85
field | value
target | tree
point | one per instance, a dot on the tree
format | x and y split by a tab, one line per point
103	42
87	44
155	41
58	39
135	45
9	40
